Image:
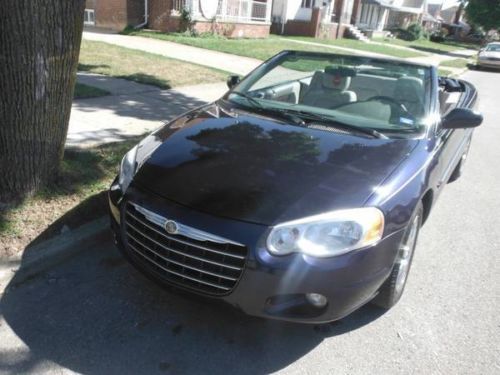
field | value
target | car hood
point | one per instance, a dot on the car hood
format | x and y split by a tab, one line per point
260	170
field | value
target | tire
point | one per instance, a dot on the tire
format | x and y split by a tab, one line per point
391	291
457	172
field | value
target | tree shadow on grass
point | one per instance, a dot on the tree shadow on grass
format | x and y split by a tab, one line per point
147	79
94	313
90	67
84	176
144	78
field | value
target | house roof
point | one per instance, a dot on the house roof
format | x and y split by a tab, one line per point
412	3
407	6
382	3
429	18
433	9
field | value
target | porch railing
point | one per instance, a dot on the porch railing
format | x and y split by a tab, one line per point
243	10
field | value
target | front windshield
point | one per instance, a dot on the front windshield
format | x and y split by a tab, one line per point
387	96
493	48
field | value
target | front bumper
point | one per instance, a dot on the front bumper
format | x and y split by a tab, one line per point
275	287
495	64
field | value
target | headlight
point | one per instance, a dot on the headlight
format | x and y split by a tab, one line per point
329	234
127	169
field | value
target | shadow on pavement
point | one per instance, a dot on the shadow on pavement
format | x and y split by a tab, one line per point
155	105
96	314
482	68
136	109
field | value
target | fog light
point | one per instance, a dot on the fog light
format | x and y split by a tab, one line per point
315	299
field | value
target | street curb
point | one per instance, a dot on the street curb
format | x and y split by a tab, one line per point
49	253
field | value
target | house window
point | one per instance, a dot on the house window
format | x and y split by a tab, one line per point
178	5
89	17
307	4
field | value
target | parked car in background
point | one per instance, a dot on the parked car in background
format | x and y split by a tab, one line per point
489	56
299	195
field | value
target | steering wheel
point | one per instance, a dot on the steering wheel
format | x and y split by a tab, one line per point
393	104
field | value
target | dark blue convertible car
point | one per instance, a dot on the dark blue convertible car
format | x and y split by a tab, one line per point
298	195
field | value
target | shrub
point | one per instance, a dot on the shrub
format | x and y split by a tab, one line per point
414	31
437	37
186	24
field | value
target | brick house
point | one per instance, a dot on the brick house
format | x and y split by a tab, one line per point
114	14
233	18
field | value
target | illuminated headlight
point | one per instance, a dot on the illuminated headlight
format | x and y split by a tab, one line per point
329	234
127	169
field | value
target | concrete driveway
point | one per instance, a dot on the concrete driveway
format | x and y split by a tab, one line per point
95	314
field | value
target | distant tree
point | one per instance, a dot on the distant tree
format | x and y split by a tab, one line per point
485	13
39	48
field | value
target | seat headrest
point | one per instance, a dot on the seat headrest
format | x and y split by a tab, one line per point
335	81
337	77
344	71
409	88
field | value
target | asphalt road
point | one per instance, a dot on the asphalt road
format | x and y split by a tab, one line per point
95	314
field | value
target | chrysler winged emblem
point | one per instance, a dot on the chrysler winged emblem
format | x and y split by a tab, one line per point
171	227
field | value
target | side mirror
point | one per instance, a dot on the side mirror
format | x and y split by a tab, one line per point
233	81
460	118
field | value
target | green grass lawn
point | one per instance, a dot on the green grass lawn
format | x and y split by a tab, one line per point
428	46
444	72
143	67
361	46
77	196
85	91
261	49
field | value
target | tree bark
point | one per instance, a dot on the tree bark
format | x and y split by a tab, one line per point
39	50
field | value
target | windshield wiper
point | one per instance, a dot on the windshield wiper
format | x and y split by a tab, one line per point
270	111
255	103
298	116
331	120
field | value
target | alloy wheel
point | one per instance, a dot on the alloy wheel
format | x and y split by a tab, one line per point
405	253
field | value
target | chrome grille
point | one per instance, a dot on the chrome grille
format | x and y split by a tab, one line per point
206	266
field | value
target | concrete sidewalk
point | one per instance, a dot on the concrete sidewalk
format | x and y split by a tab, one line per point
213	59
243	65
132	109
336	48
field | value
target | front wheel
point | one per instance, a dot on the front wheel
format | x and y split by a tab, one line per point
391	291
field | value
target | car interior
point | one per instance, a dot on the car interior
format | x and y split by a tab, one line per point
369	93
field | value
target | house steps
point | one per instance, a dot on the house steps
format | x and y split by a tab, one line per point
354	33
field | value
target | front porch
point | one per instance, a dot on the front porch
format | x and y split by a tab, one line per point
314	18
377	16
231	18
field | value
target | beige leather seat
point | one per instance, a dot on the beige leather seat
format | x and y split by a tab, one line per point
409	91
329	89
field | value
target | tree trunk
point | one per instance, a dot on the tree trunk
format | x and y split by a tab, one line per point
39	49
